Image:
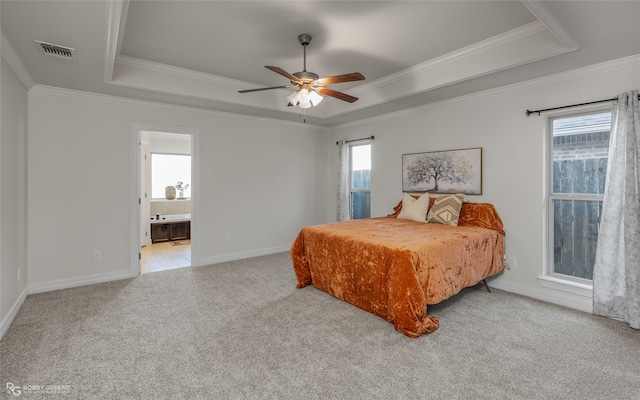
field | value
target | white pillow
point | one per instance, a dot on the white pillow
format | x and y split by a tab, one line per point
415	209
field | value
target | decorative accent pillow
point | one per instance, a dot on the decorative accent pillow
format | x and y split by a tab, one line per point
445	210
414	209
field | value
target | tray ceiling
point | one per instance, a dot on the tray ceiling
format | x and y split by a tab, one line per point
200	53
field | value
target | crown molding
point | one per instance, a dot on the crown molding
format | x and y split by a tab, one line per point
583	72
460	54
116	17
142	74
541	12
608	66
519	46
11	57
578	73
161	106
180	72
528	43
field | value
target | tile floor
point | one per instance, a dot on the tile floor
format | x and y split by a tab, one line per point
163	256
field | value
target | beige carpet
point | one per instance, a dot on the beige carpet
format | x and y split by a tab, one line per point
241	330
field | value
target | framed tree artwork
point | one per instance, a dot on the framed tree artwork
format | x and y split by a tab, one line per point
451	171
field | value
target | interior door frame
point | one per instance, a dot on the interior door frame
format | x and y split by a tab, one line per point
136	128
143	163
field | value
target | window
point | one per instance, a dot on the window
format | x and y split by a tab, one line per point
360	181
579	147
168	170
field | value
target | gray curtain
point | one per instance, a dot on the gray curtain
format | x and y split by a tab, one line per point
616	272
342	212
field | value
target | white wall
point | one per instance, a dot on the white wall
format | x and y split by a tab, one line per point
13	213
261	180
513	150
257	183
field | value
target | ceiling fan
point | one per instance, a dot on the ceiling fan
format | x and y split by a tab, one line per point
309	84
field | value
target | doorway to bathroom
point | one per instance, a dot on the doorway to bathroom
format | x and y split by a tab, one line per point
165	196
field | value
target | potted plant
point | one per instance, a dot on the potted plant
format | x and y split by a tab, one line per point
181	187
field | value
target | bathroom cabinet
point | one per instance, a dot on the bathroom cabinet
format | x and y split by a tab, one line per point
167	231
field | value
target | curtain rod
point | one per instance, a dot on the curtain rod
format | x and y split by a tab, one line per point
529	112
355	140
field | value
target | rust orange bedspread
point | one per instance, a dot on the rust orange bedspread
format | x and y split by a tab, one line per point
394	268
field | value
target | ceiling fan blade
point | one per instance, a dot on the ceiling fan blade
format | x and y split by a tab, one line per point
336	94
266	88
284	73
352	77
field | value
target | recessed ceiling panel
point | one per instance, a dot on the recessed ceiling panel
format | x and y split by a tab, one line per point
235	39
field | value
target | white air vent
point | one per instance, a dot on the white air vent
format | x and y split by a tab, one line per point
56	50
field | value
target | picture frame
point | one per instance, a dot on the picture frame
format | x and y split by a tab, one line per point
450	171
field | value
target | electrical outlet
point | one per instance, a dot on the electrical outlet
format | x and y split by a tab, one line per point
96	255
511	261
19	273
227	239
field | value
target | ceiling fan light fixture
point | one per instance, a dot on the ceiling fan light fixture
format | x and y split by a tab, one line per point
304	98
293	98
314	98
309	84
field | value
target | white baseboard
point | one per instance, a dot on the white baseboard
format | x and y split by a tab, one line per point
4	327
78	281
243	255
580	303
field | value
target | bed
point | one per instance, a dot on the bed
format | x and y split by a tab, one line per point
394	268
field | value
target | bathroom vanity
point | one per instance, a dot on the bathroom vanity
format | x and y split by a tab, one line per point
171	227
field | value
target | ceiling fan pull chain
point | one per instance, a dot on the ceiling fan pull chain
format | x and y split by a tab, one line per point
301	114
